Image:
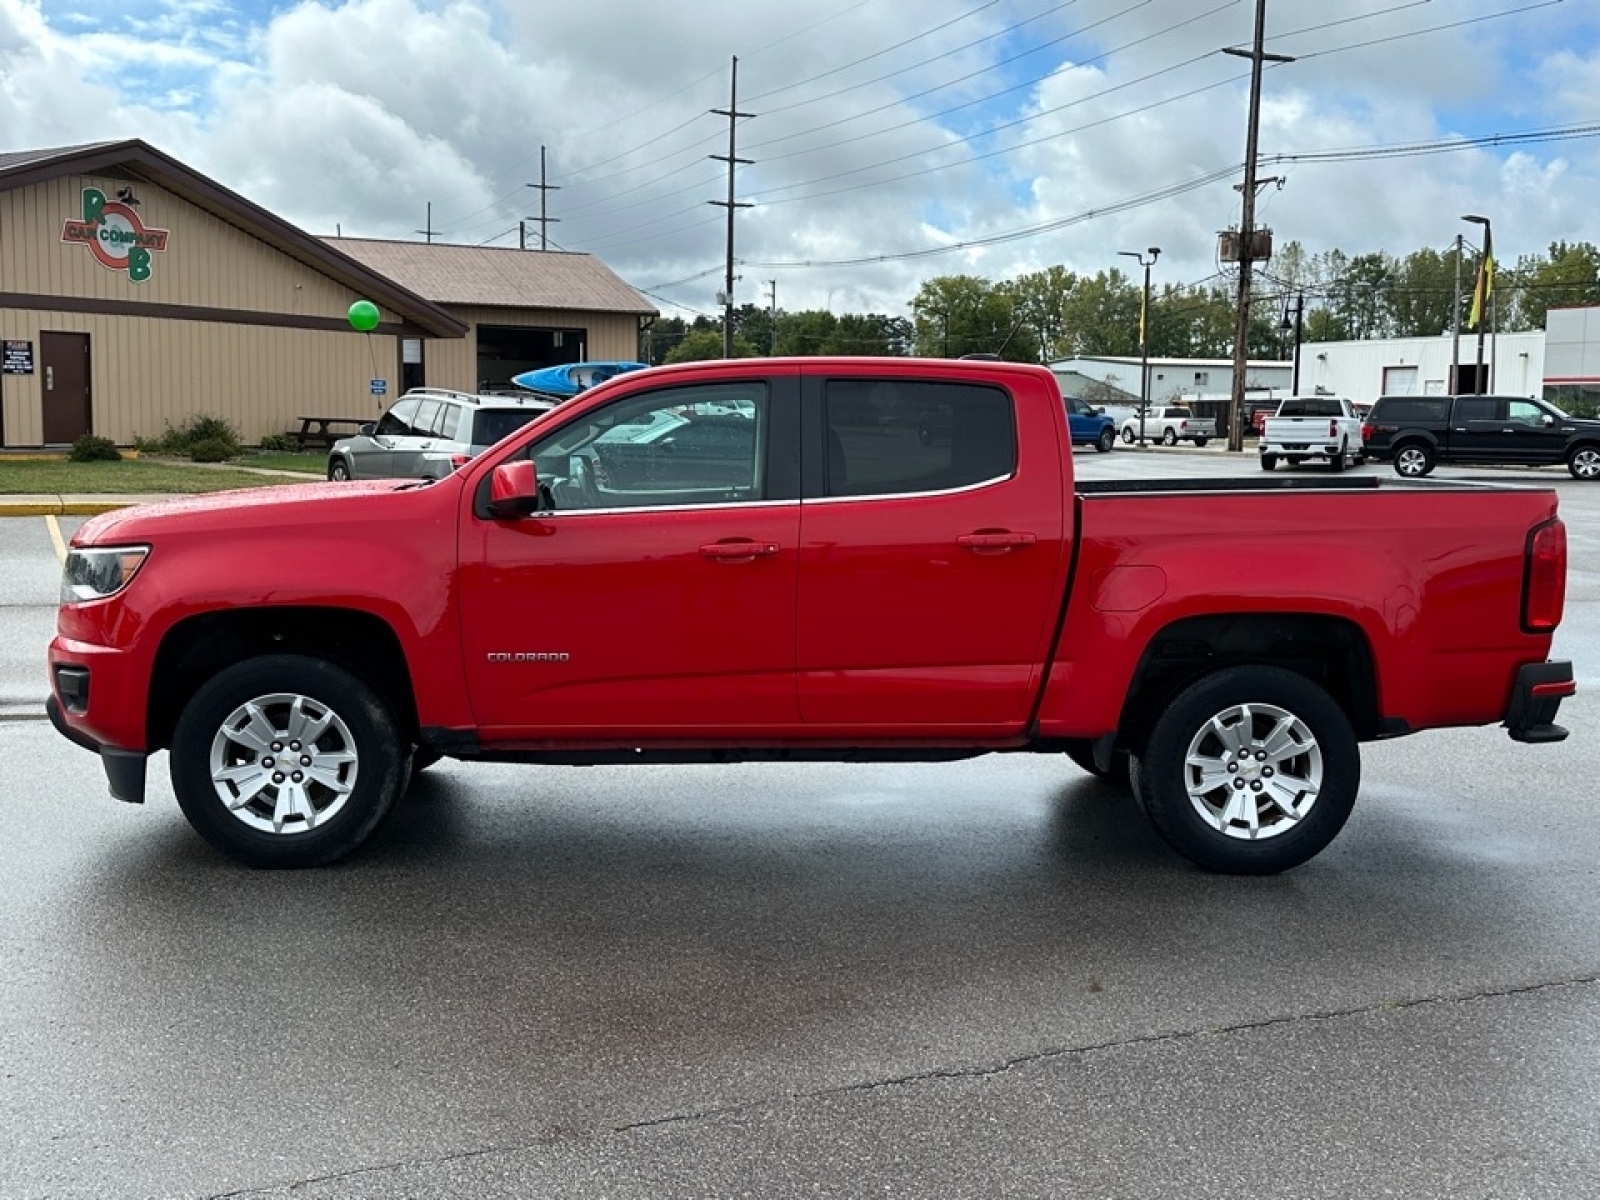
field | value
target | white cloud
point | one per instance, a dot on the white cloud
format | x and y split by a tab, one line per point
361	113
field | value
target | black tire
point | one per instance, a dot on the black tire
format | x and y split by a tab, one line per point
1127	436
1200	443
1413	460
1082	755
339	470
1169	436
1336	462
1269	462
1293	726
1584	462
347	800
1106	440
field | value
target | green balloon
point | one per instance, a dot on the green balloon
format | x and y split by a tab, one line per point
363	316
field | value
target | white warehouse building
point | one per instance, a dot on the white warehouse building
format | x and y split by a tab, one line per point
1363	371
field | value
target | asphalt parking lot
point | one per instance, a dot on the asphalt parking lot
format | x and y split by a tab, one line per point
984	979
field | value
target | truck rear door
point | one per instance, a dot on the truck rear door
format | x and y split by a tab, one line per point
932	569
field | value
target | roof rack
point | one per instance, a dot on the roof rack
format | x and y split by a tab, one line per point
445	392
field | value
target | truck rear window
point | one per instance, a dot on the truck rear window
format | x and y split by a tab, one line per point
897	436
1311	408
1411	408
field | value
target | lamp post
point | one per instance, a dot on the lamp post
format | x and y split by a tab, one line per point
1479	381
1298	325
1144	331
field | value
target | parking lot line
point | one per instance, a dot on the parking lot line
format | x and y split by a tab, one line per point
54	527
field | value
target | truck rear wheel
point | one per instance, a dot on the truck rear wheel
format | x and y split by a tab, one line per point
287	761
1169	436
1413	460
1269	462
1250	771
1584	462
1336	460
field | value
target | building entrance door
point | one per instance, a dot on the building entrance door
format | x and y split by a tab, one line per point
64	364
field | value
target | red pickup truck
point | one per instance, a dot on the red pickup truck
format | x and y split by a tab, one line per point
804	559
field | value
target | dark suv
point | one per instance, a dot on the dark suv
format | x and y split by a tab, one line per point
1418	432
429	432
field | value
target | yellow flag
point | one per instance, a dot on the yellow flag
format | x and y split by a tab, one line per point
1484	288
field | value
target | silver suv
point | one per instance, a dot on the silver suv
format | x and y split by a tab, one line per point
429	432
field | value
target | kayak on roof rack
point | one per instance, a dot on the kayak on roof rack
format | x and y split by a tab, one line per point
568	379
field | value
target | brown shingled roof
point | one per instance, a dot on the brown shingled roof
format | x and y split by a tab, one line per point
496	277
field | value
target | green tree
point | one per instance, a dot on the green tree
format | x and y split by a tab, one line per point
1419	300
965	314
704	344
806	333
1101	315
1569	277
1041	304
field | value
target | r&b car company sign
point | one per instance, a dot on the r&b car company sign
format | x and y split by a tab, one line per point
115	235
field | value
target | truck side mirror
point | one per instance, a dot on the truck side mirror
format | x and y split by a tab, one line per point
513	490
367	429
1547	419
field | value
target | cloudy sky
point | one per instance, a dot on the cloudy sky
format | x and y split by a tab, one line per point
988	137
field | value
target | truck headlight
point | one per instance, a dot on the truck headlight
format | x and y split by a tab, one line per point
93	573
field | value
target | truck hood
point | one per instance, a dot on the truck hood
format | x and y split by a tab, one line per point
251	508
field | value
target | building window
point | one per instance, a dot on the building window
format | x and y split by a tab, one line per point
412	374
1202	378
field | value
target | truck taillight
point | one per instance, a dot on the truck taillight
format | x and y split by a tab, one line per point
1333	428
1544	594
1367	430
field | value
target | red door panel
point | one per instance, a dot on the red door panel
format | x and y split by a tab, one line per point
632	623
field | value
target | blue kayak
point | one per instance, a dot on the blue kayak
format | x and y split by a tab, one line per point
568	379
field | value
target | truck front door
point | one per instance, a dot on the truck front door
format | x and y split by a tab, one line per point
655	594
932	570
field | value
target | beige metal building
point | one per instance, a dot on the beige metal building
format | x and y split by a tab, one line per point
136	293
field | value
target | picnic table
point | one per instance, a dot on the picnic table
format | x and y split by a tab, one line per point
319	431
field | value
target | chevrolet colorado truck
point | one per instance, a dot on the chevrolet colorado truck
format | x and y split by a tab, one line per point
765	560
1312	427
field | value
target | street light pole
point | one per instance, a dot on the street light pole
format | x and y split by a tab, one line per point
1479	382
1144	331
1455	325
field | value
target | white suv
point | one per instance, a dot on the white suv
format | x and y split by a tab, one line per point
429	432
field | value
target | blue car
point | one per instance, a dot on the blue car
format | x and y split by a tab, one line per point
1090	426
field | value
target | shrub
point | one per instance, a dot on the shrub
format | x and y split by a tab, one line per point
212	450
279	443
197	429
89	448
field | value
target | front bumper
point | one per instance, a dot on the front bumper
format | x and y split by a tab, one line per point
1535	697
124	768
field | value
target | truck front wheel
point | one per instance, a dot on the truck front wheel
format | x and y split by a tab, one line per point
287	761
1250	771
1105	441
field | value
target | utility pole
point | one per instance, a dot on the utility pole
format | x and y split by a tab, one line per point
1241	331
544	221
429	231
772	316
733	160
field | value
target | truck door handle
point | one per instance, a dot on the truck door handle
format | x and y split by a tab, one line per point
738	550
994	541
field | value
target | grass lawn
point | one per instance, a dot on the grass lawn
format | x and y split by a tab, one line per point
314	462
58	477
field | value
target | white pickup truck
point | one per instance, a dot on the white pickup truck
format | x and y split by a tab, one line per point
1313	427
1169	426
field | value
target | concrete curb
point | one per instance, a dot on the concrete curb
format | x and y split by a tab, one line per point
71	506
